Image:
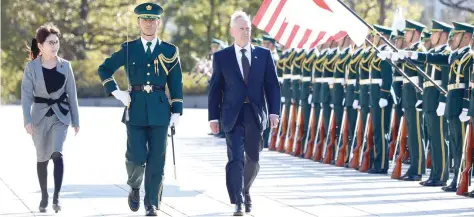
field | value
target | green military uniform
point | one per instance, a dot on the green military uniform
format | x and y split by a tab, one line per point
397	82
437	125
327	83
351	95
286	89
266	132
317	71
306	86
337	92
460	63
380	84
147	117
413	116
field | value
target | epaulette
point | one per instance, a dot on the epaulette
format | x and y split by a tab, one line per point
169	55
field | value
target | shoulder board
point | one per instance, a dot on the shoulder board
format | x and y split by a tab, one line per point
169	52
124	45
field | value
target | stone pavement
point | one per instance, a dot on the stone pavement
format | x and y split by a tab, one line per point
95	177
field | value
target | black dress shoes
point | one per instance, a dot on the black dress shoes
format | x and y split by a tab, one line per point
433	183
376	171
151	211
134	199
451	187
248	208
410	178
238	210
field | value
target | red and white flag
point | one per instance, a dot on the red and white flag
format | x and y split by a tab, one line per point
308	23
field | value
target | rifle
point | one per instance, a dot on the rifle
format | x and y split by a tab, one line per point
299	132
284	131
310	137
322	137
344	135
274	137
466	162
291	135
329	149
364	166
402	140
360	135
354	136
393	133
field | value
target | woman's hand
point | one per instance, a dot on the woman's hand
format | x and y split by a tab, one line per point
29	129
76	130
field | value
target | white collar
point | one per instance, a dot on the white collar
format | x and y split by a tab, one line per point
462	49
153	43
437	48
238	48
346	49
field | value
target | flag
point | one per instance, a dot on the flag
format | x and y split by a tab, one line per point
308	23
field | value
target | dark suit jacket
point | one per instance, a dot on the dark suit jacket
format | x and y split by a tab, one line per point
228	90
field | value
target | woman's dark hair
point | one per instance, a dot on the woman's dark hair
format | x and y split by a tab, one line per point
41	34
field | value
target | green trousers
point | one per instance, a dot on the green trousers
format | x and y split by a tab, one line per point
146	153
306	109
352	118
415	144
439	149
457	130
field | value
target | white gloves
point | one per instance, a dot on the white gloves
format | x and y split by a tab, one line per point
310	97
417	104
282	99
355	104
440	109
463	116
123	96
383	102
385	54
174	121
331	105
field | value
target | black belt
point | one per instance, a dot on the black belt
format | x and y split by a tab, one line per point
61	100
147	88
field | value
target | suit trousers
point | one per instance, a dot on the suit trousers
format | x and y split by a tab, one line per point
244	144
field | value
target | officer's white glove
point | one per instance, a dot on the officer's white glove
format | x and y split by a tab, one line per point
174	121
440	109
331	105
310	97
282	99
355	104
417	104
463	116
123	96
385	54
402	54
383	102
330	81
321	104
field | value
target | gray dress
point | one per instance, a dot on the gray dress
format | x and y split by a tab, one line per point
50	113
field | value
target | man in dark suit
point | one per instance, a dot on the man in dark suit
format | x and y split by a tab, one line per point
244	89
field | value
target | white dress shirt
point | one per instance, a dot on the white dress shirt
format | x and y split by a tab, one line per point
248	54
152	46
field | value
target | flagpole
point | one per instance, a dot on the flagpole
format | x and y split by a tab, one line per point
443	91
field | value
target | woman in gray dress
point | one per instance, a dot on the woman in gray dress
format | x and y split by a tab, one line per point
49	102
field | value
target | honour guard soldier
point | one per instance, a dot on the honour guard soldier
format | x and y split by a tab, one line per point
270	43
286	96
397	81
380	84
151	66
433	107
411	103
460	62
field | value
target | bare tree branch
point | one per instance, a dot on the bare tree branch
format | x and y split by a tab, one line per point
457	5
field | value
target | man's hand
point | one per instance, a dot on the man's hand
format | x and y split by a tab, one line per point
274	120
174	121
123	96
214	127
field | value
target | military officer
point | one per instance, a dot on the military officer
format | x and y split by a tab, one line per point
460	62
151	66
286	88
379	87
411	104
433	107
270	43
337	91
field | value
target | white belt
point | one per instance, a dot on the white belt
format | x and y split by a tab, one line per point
295	77
286	76
339	81
371	81
430	84
414	79
456	86
398	78
351	82
472	84
326	80
306	78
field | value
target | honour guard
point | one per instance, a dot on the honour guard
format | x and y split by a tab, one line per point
151	66
460	62
380	84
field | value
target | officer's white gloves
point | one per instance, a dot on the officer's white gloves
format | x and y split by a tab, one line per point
463	116
417	104
385	54
310	97
402	54
283	99
123	96
383	102
331	105
174	120
355	104
440	109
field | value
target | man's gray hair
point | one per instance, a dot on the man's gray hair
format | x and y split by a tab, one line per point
239	15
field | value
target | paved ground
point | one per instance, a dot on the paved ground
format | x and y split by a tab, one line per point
95	176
